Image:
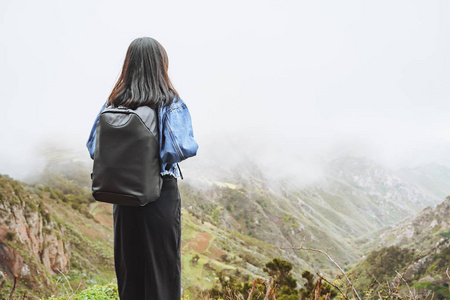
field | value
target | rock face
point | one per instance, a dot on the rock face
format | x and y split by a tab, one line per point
11	259
27	229
428	228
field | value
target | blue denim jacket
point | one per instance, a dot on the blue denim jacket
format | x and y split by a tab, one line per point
176	137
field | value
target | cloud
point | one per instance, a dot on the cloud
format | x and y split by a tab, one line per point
302	77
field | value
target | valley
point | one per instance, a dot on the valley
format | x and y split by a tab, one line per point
56	239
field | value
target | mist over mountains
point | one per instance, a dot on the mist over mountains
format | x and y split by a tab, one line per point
236	216
318	120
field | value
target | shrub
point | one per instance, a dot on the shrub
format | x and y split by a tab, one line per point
10	236
97	292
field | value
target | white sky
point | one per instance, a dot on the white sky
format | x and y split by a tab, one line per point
293	76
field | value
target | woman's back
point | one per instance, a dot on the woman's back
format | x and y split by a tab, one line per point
147	239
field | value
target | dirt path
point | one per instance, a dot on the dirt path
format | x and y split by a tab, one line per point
200	242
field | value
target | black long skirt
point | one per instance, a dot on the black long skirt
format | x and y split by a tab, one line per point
147	247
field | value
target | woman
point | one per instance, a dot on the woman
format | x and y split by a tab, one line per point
147	239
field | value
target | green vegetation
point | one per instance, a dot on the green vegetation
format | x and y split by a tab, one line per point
236	287
280	270
384	262
381	266
441	291
84	242
379	272
97	292
441	260
445	234
229	233
311	285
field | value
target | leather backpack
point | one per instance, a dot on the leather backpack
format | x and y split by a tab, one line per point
126	160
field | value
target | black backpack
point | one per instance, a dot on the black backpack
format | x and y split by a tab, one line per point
126	159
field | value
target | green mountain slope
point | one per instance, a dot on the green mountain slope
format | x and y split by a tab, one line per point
51	237
58	238
45	240
418	248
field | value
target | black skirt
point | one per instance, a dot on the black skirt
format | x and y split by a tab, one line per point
147	247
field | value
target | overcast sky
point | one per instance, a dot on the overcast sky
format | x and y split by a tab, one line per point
284	76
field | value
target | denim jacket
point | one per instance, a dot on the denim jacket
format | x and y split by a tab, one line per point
176	137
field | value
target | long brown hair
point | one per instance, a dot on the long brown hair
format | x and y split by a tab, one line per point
144	80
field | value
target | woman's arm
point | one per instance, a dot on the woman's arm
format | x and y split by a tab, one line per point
91	140
177	142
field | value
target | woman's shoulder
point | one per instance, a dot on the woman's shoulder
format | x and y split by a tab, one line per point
177	105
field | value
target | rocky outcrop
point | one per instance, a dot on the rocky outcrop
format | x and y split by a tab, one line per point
422	231
29	237
12	260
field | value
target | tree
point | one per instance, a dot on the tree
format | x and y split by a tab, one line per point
309	285
280	270
306	291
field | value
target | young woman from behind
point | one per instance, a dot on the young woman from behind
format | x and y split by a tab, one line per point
147	239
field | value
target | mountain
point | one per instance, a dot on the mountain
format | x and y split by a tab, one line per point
359	195
433	178
422	231
418	248
355	198
27	230
233	224
47	237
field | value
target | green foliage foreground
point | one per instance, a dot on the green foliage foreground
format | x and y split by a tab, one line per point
231	287
238	288
97	292
278	268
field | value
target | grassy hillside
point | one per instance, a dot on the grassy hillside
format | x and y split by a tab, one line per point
60	241
51	239
418	248
257	226
85	230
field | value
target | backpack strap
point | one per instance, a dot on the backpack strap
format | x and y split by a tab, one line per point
179	169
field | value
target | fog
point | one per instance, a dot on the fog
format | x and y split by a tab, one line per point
282	84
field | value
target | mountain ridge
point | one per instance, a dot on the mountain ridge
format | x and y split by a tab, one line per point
425	238
235	224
